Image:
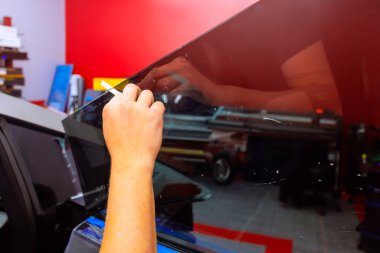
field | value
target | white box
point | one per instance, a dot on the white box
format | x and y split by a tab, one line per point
13	42
8	31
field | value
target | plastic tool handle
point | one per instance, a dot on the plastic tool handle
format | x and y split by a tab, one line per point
110	88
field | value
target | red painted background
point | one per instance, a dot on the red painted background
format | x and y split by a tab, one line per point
118	38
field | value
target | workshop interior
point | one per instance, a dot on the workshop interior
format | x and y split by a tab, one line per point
271	137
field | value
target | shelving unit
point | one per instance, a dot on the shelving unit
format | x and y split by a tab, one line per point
11	76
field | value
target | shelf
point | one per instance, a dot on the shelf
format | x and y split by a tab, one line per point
12	54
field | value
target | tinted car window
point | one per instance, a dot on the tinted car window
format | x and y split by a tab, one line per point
272	117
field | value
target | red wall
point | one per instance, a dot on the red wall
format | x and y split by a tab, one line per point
118	38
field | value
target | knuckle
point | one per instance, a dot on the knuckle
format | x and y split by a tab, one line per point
133	86
153	71
162	83
182	61
161	105
130	86
147	93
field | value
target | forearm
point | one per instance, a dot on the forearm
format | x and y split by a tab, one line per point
130	222
287	100
230	95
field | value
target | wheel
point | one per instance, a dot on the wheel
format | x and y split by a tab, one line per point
222	170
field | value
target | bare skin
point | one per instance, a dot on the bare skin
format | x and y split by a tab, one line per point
132	127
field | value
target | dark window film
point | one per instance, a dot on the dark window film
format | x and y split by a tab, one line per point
271	131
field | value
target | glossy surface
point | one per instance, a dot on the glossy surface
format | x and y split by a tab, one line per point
263	113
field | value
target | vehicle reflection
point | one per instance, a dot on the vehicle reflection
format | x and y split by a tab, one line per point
263	146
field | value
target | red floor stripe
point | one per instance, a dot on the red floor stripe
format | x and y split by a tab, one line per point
272	244
359	208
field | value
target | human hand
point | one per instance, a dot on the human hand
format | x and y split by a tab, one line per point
178	77
132	126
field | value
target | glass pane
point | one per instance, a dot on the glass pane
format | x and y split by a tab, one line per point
271	131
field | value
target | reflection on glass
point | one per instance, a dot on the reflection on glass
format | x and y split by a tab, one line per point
307	73
255	152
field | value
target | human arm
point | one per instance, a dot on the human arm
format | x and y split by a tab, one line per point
307	73
132	127
180	72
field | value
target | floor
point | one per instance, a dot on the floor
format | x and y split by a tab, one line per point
245	217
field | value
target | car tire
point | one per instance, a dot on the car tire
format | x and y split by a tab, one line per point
222	170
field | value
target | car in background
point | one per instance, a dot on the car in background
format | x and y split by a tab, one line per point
225	153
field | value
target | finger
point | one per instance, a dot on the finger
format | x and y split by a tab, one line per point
131	92
146	98
111	103
158	107
115	98
149	81
167	84
146	83
175	66
161	72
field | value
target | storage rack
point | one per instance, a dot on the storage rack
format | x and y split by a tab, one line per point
11	77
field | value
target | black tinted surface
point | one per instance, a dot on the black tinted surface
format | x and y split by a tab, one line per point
272	117
52	179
